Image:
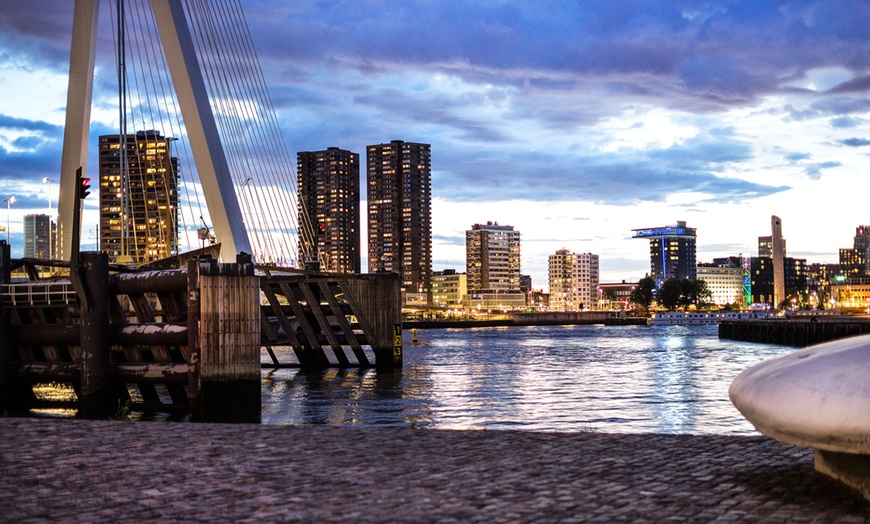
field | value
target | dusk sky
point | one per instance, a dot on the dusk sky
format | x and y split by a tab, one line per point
574	122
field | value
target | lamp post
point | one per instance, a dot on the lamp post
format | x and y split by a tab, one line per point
49	181
9	202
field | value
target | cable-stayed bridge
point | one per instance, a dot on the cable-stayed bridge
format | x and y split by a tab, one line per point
188	69
188	337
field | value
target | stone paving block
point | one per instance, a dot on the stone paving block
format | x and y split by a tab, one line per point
75	470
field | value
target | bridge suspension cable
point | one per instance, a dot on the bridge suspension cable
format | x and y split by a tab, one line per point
260	164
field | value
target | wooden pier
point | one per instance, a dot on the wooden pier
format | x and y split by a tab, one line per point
793	332
183	340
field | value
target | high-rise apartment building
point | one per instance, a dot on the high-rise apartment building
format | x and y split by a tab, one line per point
855	262
39	236
149	229
492	258
573	281
672	251
328	183
399	177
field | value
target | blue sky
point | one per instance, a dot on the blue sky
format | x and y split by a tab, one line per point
575	122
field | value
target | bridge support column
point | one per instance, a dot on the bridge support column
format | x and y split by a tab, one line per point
228	343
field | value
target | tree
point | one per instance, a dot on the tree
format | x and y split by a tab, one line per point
643	292
671	293
696	292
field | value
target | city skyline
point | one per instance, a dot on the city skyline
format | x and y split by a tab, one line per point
575	124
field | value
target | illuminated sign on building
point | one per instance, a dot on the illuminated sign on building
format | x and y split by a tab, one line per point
670	231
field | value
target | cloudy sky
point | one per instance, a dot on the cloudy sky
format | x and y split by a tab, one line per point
574	122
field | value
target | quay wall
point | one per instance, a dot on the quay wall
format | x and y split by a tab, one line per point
793	332
554	318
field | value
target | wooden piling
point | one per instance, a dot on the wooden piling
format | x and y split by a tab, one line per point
97	399
229	339
377	299
8	398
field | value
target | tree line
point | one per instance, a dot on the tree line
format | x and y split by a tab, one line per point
675	293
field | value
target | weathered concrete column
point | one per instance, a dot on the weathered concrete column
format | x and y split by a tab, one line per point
96	394
229	341
378	298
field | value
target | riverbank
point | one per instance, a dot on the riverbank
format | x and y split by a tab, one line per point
556	318
75	470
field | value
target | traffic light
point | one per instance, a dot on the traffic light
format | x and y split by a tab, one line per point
320	229
84	186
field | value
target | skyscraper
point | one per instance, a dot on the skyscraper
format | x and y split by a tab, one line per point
400	213
573	280
38	236
671	251
492	258
148	230
328	183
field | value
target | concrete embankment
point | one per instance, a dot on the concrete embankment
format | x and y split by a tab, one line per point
558	318
89	471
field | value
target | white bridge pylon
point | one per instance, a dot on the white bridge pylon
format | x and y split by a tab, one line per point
200	125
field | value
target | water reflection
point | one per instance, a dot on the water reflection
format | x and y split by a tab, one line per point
556	378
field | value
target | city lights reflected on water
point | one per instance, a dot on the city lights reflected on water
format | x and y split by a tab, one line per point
626	379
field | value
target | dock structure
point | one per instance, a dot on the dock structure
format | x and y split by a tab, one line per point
184	340
793	332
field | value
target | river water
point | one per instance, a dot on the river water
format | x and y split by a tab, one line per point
625	379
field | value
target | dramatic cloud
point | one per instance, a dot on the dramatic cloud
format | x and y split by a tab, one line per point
629	113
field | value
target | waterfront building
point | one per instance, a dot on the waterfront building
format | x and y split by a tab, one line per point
672	251
149	228
492	258
492	263
855	261
725	282
399	185
448	288
615	295
852	293
493	301
573	279
39	236
329	196
762	272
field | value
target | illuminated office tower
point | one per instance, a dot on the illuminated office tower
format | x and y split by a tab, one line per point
492	258
672	251
328	183
149	229
399	191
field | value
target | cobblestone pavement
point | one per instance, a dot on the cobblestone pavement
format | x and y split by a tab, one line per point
76	470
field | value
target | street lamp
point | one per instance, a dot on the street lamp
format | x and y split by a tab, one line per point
9	202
